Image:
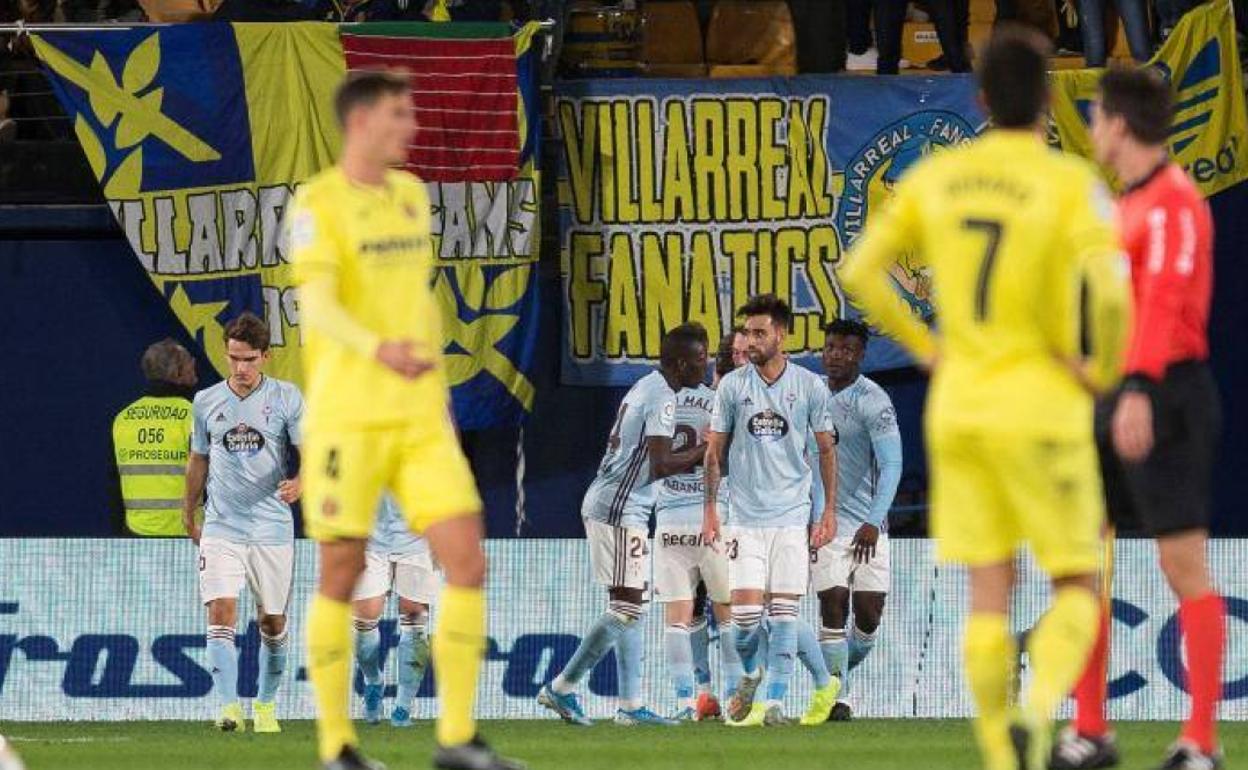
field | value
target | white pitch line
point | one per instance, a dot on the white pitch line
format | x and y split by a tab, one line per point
80	739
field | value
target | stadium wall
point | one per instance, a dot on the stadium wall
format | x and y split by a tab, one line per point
76	311
112	629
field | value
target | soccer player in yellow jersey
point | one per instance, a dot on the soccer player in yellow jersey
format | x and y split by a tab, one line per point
377	414
1011	229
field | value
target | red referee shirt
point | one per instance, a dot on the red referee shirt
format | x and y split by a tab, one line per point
1168	232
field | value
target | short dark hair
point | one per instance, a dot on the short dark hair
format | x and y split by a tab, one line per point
1013	76
678	341
162	361
1142	98
768	305
363	88
249	328
849	327
723	356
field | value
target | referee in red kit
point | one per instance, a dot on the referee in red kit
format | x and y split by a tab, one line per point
1158	434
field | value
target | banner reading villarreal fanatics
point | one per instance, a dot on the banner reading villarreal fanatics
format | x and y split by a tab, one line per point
199	133
681	198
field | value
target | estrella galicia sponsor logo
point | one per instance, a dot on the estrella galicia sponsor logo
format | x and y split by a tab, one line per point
768	426
243	440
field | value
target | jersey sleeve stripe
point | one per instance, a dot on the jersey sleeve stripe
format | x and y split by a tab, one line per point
622	493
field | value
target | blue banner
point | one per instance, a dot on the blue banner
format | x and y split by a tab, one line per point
681	198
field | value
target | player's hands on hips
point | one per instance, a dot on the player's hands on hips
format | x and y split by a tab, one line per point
864	542
400	356
1133	426
824	531
710	528
289	490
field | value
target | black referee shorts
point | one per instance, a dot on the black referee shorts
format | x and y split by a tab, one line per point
1171	490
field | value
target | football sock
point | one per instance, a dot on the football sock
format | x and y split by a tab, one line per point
811	656
273	651
764	639
368	649
329	670
1091	690
679	652
835	648
729	659
596	643
223	660
783	648
1203	623
1058	649
747	619
700	646
988	655
458	646
860	645
629	649
411	631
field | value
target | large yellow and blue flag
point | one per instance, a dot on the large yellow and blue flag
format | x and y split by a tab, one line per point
199	133
1201	61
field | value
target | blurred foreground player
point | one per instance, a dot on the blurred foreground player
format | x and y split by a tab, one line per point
379	414
1159	432
1009	419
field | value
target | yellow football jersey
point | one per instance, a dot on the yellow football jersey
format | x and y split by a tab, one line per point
1010	229
375	243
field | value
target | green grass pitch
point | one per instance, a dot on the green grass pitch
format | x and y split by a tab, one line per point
860	745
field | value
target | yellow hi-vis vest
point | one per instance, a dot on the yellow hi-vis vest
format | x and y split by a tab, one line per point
151	438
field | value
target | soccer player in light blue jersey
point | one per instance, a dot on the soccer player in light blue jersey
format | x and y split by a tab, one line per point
766	413
243	429
396	561
616	510
682	560
856	562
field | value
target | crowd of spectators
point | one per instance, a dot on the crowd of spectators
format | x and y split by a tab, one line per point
838	35
827	35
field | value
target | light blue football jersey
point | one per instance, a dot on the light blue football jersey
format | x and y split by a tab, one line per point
679	499
770	427
868	454
622	493
246	441
391	534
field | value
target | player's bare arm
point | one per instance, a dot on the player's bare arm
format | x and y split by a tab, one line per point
825	530
664	462
196	478
713	449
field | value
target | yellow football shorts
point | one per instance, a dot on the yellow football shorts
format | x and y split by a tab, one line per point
345	471
993	493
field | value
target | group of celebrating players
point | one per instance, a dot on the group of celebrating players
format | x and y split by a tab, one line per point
814	467
770	481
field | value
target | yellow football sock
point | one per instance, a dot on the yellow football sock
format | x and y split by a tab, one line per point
329	669
1058	649
458	645
990	656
